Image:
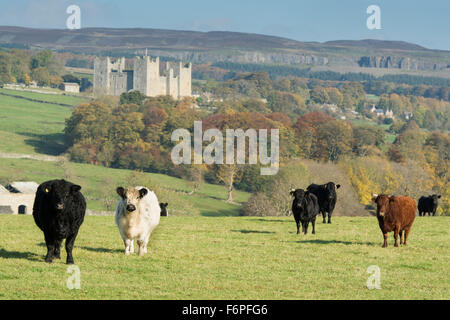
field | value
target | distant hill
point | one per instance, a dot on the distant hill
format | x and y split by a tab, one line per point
204	47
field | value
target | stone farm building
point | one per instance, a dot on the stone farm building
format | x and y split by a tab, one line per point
71	87
148	76
17	197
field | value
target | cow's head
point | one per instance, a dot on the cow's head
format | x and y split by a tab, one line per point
382	201
332	187
58	192
435	198
299	197
131	197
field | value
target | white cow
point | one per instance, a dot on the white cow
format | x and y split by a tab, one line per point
137	215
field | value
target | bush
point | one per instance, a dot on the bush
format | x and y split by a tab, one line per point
276	200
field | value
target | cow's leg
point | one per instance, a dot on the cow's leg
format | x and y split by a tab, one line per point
298	226
324	216
396	236
406	235
306	227
57	253
329	216
385	236
50	247
314	225
128	243
434	213
401	236
131	246
69	246
142	243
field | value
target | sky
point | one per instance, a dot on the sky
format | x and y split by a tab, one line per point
426	23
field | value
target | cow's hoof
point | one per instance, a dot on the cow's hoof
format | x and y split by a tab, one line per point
48	260
70	262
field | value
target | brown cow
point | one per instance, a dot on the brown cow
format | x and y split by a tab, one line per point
395	214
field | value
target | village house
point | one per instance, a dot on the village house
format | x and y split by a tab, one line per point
382	112
17	197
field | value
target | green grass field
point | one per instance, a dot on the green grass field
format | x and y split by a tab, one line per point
57	98
31	127
229	258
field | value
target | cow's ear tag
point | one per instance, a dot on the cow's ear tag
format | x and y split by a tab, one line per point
46	190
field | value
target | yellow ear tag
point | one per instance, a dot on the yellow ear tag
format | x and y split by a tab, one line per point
46	190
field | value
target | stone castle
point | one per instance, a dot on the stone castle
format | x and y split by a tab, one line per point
148	76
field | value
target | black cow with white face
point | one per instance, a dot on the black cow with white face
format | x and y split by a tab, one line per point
428	205
59	209
305	208
326	194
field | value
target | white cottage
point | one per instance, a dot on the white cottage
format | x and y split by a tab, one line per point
17	197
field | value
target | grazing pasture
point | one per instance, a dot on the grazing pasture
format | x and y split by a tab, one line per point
99	185
230	258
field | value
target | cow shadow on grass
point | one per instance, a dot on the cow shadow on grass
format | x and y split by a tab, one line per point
5	254
325	242
269	220
253	231
101	250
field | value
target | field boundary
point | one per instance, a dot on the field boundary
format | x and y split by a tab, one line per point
36	100
46	158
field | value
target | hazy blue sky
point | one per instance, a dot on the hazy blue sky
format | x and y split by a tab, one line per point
423	22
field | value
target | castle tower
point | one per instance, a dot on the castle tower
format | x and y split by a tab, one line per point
185	80
102	70
146	75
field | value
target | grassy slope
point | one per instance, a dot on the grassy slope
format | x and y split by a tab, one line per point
58	98
36	128
30	127
100	182
230	258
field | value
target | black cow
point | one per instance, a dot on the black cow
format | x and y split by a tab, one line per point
428	205
305	208
59	210
164	212
326	194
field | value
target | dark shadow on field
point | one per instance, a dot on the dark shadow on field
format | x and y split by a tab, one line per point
102	250
269	220
19	255
253	231
49	144
336	242
218	213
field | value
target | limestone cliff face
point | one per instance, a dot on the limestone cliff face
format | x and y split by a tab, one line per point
244	57
397	62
